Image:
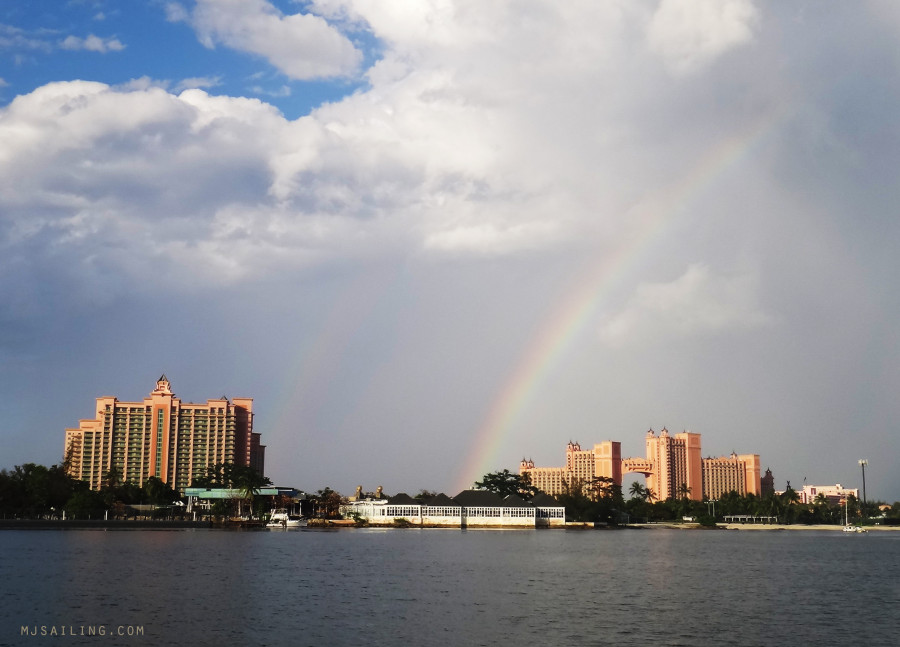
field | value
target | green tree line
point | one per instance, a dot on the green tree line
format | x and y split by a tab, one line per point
32	491
785	507
601	500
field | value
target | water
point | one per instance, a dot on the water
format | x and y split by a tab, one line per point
451	587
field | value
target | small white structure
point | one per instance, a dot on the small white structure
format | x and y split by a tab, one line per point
469	508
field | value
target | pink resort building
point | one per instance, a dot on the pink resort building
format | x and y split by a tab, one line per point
673	468
835	494
164	437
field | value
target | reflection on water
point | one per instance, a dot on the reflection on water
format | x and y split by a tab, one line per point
450	587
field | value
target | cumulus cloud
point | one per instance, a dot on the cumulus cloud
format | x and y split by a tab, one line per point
689	34
92	44
302	46
486	131
87	167
697	303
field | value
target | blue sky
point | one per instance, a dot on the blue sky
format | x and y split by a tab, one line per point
430	239
120	42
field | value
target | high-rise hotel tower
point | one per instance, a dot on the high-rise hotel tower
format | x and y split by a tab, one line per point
163	437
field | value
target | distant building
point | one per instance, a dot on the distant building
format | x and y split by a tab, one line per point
163	437
835	494
735	473
582	467
675	464
673	468
767	484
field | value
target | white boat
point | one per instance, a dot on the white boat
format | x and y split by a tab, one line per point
282	519
849	527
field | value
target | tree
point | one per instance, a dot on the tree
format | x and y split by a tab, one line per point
578	505
639	505
111	478
505	483
243	478
790	500
248	482
85	504
638	491
159	493
603	487
327	503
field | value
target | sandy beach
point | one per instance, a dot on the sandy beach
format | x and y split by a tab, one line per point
761	526
770	526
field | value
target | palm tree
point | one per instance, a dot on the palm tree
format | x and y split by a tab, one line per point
790	498
111	478
684	493
248	482
637	491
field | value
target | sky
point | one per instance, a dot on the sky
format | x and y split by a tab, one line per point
431	239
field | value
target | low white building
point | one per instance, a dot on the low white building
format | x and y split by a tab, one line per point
469	508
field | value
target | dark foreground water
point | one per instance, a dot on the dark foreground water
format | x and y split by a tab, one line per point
449	587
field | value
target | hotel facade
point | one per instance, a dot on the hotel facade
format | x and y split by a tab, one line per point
736	473
673	468
164	437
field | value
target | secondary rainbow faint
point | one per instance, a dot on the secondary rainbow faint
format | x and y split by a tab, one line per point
579	308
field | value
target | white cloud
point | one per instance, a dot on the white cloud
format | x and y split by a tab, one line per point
487	130
15	38
302	46
142	83
283	91
689	34
176	12
92	44
85	165
198	82
697	303
491	239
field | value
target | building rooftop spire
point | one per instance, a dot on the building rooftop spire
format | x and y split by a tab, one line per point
162	385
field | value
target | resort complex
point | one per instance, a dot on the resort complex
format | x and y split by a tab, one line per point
163	437
164	456
673	468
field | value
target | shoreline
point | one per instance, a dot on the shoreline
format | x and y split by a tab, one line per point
148	524
757	527
100	524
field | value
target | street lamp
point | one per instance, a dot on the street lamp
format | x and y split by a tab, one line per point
862	463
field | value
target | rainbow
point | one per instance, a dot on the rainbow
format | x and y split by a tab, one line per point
567	323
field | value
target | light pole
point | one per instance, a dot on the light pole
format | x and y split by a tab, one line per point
862	463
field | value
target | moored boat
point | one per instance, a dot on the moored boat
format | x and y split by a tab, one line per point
281	518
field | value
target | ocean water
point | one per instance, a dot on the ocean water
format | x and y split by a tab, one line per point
449	587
